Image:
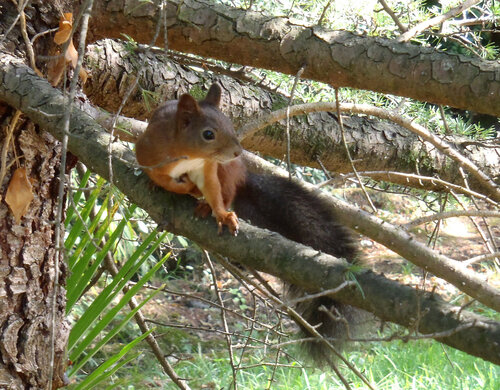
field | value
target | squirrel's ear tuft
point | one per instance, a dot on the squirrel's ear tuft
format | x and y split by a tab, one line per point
213	95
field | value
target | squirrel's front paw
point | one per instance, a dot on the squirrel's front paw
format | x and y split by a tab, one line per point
230	219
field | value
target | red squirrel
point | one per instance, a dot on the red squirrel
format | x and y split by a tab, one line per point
191	148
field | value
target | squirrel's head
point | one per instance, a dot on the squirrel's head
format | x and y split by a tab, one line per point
206	128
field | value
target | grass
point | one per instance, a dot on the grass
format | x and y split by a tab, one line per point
417	365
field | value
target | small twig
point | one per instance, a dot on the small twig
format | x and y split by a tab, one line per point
268	327
41	34
447	130
325	9
59	228
391	13
270	380
392	337
5	147
290	101
348	153
19	11
150	339
477	259
451	214
490	242
29	47
474	222
436	20
205	329
386	175
165	28
223	317
306	325
435	232
309	297
323	168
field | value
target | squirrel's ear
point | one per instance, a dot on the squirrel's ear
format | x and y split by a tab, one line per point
186	108
213	95
188	104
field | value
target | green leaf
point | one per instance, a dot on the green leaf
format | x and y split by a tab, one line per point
107	295
79	280
109	367
111	314
102	342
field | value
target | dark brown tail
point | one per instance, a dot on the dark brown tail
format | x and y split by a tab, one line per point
285	207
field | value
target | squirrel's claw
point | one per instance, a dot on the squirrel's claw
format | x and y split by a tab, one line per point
230	219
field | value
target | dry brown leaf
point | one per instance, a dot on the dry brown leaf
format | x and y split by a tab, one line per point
56	69
19	193
65	26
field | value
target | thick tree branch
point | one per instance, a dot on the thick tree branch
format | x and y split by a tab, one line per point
338	58
314	271
445	147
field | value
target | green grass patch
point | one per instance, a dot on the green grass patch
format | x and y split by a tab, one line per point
416	365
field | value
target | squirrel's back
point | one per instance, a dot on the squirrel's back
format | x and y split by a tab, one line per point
281	205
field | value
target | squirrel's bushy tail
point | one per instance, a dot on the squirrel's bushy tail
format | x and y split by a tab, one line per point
283	206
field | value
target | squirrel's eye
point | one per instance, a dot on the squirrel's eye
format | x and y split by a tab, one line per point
208	135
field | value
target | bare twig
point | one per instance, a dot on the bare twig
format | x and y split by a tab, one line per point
302	322
412	32
5	147
451	214
348	153
309	297
490	241
59	228
391	13
389	175
323	13
24	32
223	317
477	259
150	338
447	130
290	101
20	10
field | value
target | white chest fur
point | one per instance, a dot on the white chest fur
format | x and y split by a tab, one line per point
193	168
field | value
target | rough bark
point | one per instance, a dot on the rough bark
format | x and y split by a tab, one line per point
314	137
338	58
272	253
27	251
27	256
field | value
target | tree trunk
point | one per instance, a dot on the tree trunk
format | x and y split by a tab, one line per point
27	249
27	257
